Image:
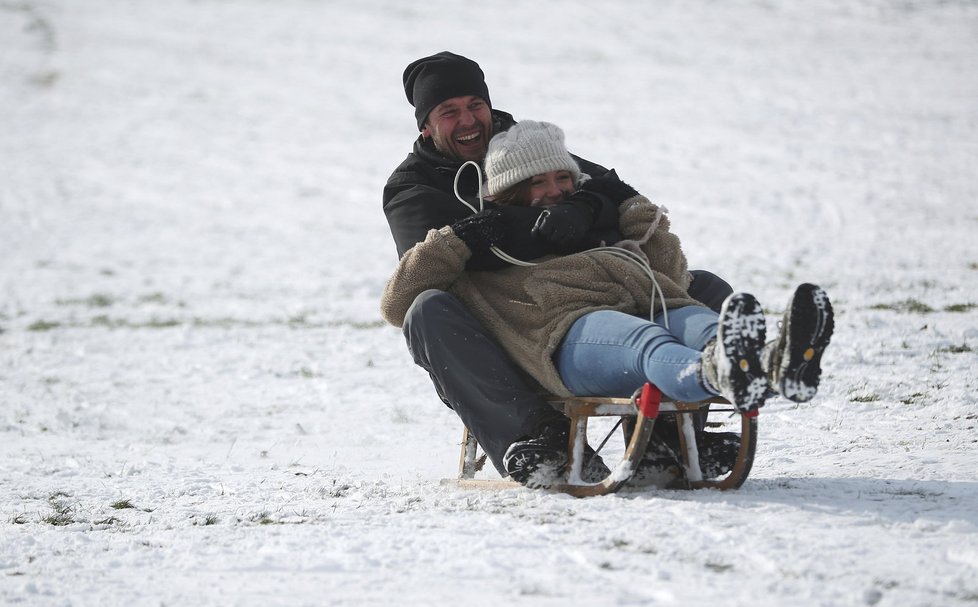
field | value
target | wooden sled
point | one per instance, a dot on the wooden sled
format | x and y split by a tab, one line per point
645	408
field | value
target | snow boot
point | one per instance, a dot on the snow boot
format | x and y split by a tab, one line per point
660	466
540	460
792	362
731	364
717	450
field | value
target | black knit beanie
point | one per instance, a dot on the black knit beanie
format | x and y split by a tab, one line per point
431	80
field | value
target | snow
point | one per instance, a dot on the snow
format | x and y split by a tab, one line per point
192	251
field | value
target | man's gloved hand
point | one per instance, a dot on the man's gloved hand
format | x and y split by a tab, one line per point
483	230
566	224
611	186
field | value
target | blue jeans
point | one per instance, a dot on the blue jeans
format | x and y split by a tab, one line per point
608	353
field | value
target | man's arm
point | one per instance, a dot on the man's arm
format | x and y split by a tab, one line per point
413	207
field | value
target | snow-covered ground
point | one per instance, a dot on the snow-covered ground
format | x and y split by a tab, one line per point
199	402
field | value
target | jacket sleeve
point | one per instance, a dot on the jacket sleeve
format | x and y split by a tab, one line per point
413	208
434	263
645	223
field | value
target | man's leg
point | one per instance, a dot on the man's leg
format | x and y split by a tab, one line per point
709	289
473	374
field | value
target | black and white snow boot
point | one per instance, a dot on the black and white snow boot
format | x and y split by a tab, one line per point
659	467
540	460
731	364
792	362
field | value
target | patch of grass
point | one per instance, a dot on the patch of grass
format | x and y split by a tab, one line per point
156	323
111	520
337	490
376	324
298	321
907	305
19	519
98	300
64	512
965	307
104	321
263	518
864	398
956	349
154	298
115	323
43	325
718	567
109	322
913	398
122	505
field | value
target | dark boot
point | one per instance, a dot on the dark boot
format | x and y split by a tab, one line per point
793	361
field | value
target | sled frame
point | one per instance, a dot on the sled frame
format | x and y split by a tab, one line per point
644	408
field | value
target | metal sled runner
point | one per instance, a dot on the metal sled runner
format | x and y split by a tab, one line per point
645	408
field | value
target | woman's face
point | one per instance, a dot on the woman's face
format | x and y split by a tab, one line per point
550	188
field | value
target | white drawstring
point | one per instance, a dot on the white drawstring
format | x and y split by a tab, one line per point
642	263
458	174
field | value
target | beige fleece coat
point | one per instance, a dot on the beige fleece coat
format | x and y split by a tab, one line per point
529	309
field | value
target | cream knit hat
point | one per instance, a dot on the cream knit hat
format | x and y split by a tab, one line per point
528	148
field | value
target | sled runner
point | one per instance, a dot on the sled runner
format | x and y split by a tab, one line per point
642	410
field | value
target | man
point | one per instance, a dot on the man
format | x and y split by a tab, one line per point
472	374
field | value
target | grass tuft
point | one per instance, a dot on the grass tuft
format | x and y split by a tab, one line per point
956	349
907	305
965	307
64	513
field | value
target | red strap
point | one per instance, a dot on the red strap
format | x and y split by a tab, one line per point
648	403
753	413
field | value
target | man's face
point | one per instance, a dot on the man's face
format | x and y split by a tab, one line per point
460	127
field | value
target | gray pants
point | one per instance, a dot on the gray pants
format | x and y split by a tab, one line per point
476	378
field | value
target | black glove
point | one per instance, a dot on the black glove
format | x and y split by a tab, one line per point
482	230
610	185
566	224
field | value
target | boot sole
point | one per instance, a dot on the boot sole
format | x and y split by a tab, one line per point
810	325
741	332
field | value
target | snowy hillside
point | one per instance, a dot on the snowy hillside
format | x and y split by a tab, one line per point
199	401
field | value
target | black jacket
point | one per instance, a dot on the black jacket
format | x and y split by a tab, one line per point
419	196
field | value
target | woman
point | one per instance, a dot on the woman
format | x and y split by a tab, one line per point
580	324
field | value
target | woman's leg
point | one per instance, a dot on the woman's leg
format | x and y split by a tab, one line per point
693	326
610	353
